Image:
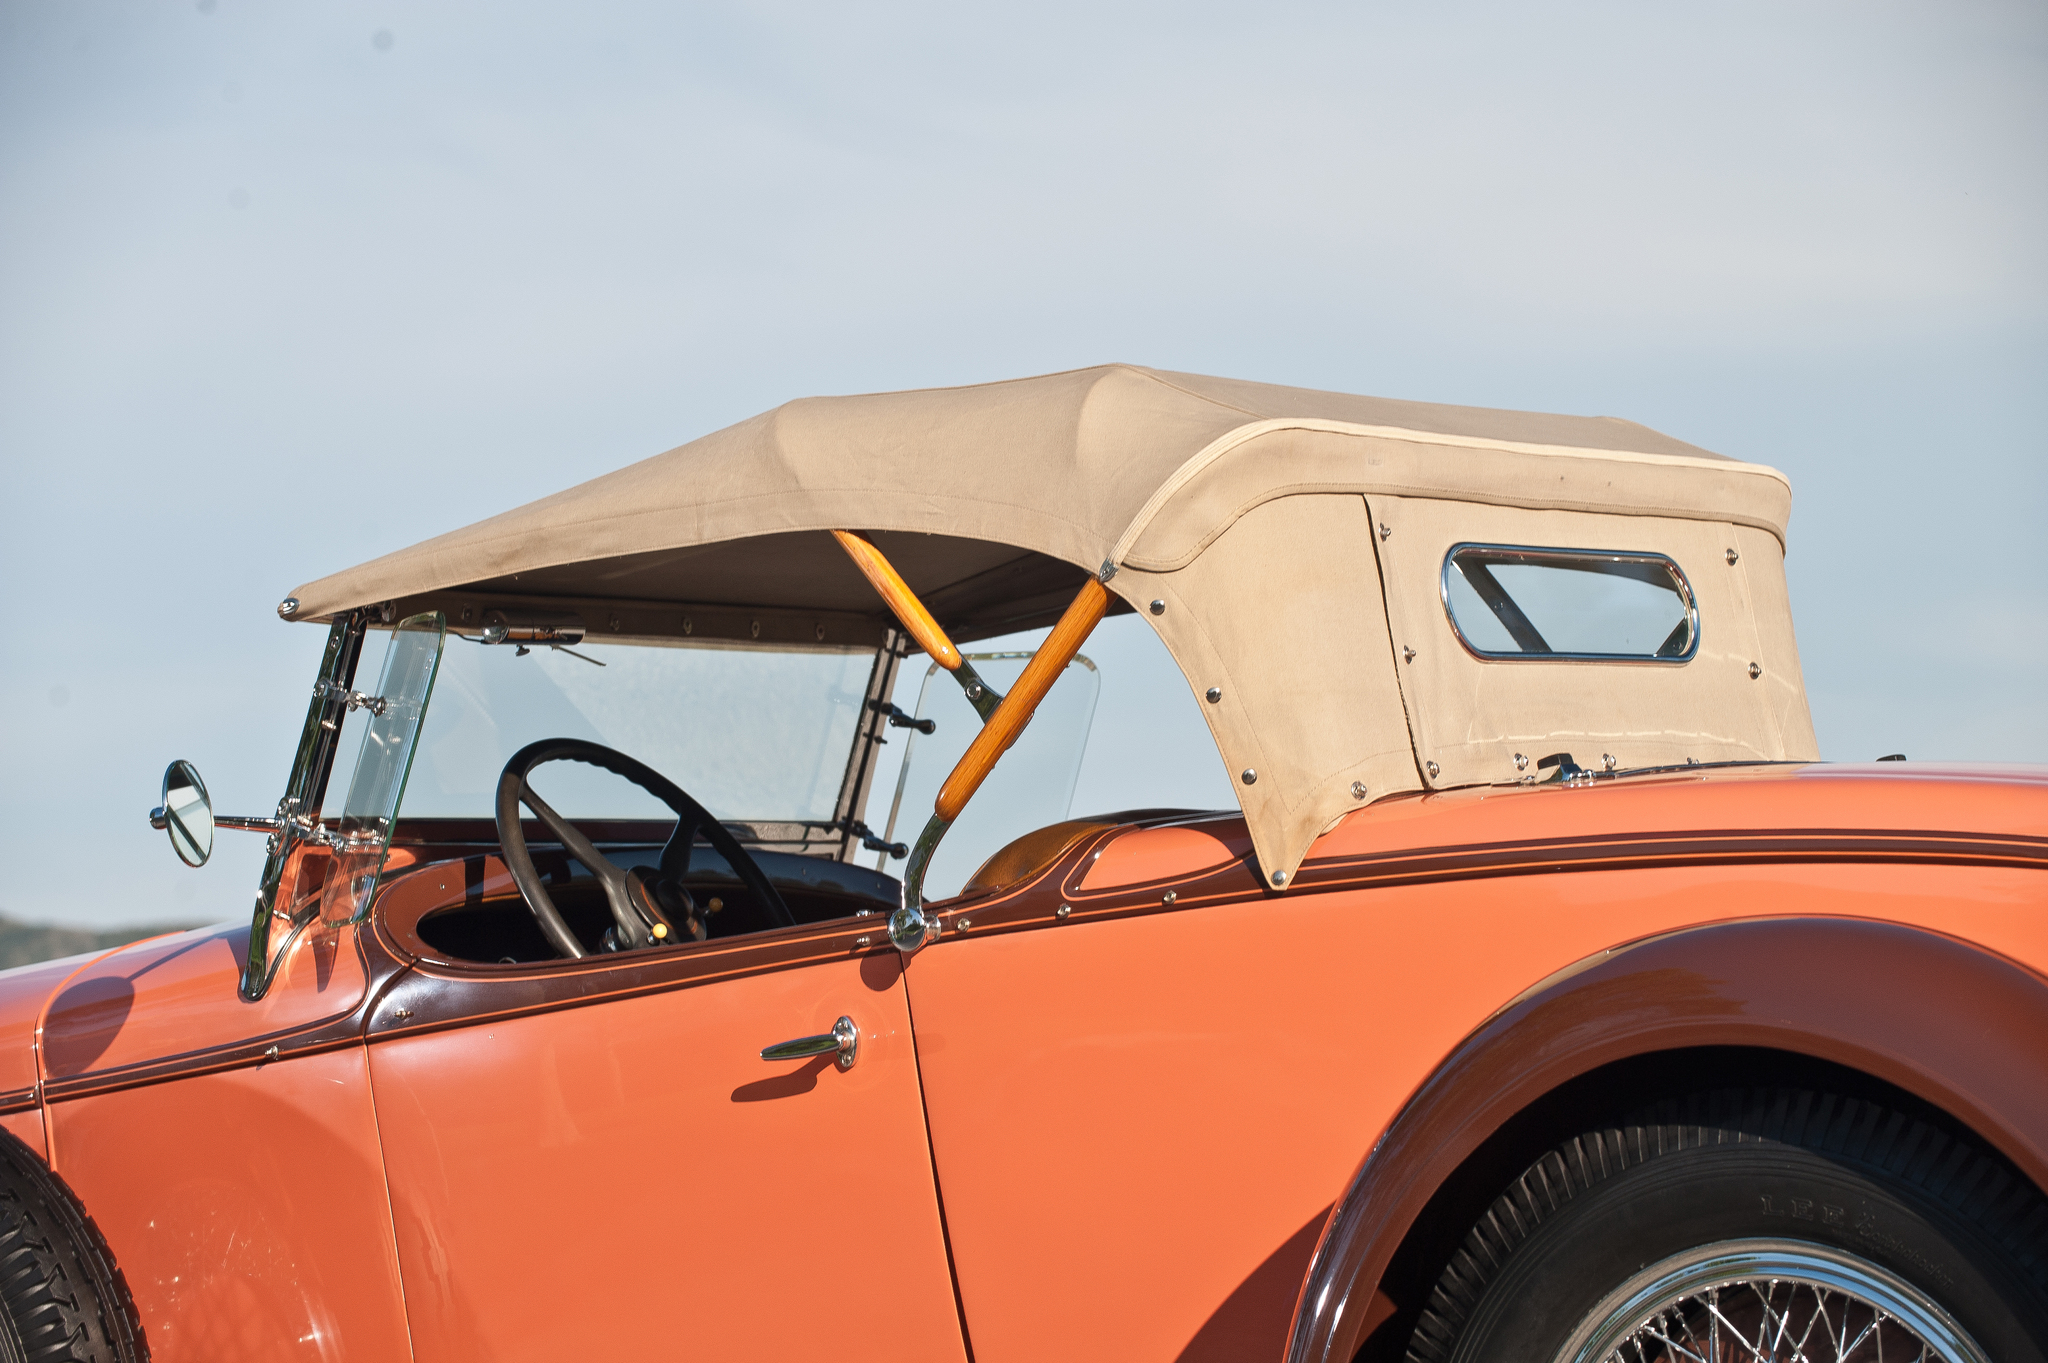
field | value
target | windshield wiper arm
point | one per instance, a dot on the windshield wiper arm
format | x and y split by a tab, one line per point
900	720
868	840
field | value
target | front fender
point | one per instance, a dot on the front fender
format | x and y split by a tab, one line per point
1951	1023
25	994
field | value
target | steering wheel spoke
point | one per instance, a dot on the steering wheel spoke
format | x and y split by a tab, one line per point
630	920
640	916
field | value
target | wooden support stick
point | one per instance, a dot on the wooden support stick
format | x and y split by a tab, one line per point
896	592
1010	717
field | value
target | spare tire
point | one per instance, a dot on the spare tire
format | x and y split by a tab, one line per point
61	1298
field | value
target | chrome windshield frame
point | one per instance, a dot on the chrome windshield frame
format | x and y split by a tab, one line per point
850	809
298	812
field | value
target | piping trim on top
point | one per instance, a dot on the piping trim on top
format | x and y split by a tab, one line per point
1231	439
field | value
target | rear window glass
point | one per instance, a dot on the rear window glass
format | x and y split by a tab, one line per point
1517	602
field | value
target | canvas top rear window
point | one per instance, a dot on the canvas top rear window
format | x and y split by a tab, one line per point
1518	602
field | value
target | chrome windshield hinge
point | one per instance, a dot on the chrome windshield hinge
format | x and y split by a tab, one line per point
350	700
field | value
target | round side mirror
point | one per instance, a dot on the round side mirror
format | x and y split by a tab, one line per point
187	813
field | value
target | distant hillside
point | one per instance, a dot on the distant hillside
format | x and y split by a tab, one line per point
27	943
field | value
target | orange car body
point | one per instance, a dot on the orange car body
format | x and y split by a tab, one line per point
1161	1086
1138	1101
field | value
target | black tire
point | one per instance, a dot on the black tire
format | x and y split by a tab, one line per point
1826	1174
61	1298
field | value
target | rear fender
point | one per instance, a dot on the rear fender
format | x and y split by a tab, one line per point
1959	1027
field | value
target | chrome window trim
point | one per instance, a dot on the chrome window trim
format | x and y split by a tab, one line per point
1541	553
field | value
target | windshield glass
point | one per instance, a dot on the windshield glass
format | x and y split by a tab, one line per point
752	733
1032	786
390	738
1123	710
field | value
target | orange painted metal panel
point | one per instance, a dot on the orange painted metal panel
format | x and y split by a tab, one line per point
175	995
1140	1122
1970	801
23	993
630	1178
1158	853
1963	1028
1854	799
1140	1113
246	1209
24	997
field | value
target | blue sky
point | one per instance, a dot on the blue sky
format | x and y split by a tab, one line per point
285	286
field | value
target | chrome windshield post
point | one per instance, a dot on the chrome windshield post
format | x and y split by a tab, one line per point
861	762
298	813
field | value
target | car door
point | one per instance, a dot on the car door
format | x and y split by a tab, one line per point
590	1159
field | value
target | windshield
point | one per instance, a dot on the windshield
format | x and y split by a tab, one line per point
765	734
752	733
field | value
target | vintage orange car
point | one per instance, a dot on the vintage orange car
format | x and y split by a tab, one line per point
1544	997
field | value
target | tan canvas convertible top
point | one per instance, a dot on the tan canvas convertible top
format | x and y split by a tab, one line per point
1279	539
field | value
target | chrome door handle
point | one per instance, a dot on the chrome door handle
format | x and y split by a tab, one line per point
843	1039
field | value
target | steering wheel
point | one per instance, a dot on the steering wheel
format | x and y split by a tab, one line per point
643	906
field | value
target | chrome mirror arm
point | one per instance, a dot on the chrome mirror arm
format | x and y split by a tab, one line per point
249	824
244	823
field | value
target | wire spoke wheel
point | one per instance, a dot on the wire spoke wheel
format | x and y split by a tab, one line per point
1768	1302
1765	1224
